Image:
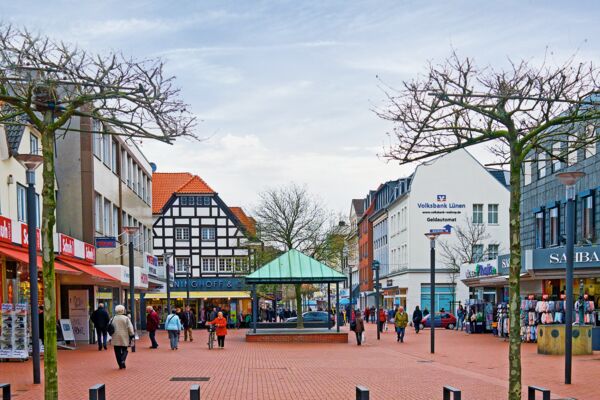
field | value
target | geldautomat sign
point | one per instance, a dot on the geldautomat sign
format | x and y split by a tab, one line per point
210	284
556	258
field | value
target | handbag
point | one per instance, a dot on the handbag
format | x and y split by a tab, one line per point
352	325
110	328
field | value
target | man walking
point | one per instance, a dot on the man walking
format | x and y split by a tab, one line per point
189	320
152	322
382	319
401	320
100	320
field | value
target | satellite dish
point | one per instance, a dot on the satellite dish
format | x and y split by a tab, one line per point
153	166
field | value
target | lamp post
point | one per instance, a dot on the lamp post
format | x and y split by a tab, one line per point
569	179
131	230
432	236
344	268
187	284
167	260
31	162
375	265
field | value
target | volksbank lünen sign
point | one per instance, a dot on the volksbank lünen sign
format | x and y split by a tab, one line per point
556	258
443	210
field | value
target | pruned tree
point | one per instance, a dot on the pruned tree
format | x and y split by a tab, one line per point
461	249
45	84
522	111
289	217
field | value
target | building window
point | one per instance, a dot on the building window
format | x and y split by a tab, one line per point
182	233
106	214
572	149
477	253
115	221
144	187
492	213
21	203
182	264
206	201
478	213
115	156
183	200
98	213
590	147
209	265
493	251
556	163
240	265
539	230
221	265
97	130
208	233
588	218
107	144
33	144
554	227
124	172
541	165
527	167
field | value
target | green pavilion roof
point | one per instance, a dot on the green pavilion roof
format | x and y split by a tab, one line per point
295	267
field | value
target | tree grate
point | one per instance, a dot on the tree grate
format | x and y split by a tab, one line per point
189	379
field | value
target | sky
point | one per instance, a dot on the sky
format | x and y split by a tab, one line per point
285	90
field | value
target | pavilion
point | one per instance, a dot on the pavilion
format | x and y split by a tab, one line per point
294	267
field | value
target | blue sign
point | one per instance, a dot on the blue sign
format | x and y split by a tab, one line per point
106	242
555	258
211	284
446	230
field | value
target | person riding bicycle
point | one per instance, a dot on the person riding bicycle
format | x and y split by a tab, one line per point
221	323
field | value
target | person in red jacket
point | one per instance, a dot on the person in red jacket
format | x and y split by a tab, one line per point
152	322
221	323
382	319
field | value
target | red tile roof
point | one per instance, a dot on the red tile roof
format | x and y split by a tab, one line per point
165	184
248	222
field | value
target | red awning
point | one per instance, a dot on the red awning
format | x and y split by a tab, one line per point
22	255
87	268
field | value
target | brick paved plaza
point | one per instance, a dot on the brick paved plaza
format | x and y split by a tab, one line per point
476	364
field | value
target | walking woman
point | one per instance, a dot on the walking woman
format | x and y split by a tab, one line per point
417	317
122	334
359	327
221	323
401	320
173	327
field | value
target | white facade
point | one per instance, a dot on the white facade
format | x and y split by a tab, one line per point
444	191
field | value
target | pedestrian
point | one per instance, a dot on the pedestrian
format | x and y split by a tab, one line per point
122	333
152	322
189	321
382	319
417	317
472	319
100	320
460	317
425	312
221	323
373	315
359	327
173	327
400	320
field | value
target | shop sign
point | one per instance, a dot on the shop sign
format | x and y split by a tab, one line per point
556	258
482	270
5	230
25	237
210	283
106	242
66	245
89	252
151	264
344	293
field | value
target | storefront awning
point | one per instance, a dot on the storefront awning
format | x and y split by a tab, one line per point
87	268
200	295
23	256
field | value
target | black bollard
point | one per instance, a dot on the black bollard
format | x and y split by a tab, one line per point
98	392
195	392
451	393
5	391
531	390
362	393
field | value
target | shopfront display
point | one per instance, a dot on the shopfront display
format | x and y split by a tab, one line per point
14	331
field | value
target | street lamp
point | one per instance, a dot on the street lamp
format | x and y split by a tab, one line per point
131	230
346	266
432	236
375	266
569	179
31	162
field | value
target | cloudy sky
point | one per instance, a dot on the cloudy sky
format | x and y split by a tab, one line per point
285	89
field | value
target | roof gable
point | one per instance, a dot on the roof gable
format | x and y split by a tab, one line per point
165	184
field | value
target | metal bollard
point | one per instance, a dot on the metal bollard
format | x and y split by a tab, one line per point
362	393
451	393
98	392
195	392
532	389
5	391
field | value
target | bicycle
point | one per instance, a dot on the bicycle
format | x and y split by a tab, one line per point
211	336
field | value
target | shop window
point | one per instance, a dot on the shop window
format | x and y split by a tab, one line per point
182	264
493	251
478	213
182	234
554	227
208	233
209	265
588	218
492	213
477	252
539	230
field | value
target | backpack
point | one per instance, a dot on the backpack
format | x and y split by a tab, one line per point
110	328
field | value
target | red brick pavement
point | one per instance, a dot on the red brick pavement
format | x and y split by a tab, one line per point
477	364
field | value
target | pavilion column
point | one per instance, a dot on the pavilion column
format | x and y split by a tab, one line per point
337	305
329	304
254	307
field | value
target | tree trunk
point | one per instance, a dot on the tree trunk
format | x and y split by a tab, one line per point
300	323
48	221
514	352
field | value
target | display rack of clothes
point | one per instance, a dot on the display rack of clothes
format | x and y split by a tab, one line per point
550	312
589	316
529	320
503	326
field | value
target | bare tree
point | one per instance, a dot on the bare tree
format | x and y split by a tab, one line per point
522	111
462	248
44	84
288	217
